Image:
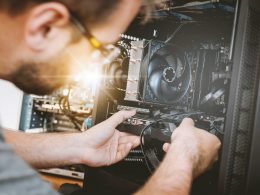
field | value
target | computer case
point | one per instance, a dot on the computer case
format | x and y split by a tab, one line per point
237	171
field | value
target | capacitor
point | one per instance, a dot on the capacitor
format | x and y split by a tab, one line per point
88	123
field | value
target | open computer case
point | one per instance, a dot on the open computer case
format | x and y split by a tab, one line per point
199	60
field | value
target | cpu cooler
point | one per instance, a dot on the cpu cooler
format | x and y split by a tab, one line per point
168	74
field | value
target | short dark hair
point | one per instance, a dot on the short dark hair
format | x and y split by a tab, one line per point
88	11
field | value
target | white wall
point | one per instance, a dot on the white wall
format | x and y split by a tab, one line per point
10	105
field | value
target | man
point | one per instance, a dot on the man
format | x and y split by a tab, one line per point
39	44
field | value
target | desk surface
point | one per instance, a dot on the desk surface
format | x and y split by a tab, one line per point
57	181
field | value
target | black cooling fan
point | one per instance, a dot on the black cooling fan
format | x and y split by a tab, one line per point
169	74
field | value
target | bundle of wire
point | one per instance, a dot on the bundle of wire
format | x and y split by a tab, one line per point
65	107
150	156
150	149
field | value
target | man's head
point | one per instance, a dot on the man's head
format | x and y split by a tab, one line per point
40	46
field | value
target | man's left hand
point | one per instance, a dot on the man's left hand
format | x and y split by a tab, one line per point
104	145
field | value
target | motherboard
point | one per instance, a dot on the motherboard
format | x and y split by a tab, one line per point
177	66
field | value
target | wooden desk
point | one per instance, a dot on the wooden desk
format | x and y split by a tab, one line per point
57	181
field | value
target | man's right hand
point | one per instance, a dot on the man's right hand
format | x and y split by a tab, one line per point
199	146
191	152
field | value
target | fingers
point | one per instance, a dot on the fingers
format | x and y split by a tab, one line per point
166	147
119	117
125	144
124	147
123	151
125	138
186	123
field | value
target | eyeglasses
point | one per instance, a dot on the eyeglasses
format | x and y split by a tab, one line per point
104	53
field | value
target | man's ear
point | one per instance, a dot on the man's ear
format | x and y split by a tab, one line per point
43	22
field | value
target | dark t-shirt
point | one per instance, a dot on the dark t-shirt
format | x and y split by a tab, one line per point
18	178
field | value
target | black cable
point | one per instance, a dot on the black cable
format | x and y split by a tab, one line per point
175	32
217	130
178	117
143	147
64	105
72	119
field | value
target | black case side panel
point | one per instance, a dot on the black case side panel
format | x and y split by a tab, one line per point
253	175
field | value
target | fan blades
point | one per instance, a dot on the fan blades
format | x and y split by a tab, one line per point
170	93
157	62
169	74
171	60
185	75
155	82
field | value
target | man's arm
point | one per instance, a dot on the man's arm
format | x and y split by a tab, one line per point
173	177
46	150
192	152
99	146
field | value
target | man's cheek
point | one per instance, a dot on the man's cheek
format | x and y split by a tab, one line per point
36	80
